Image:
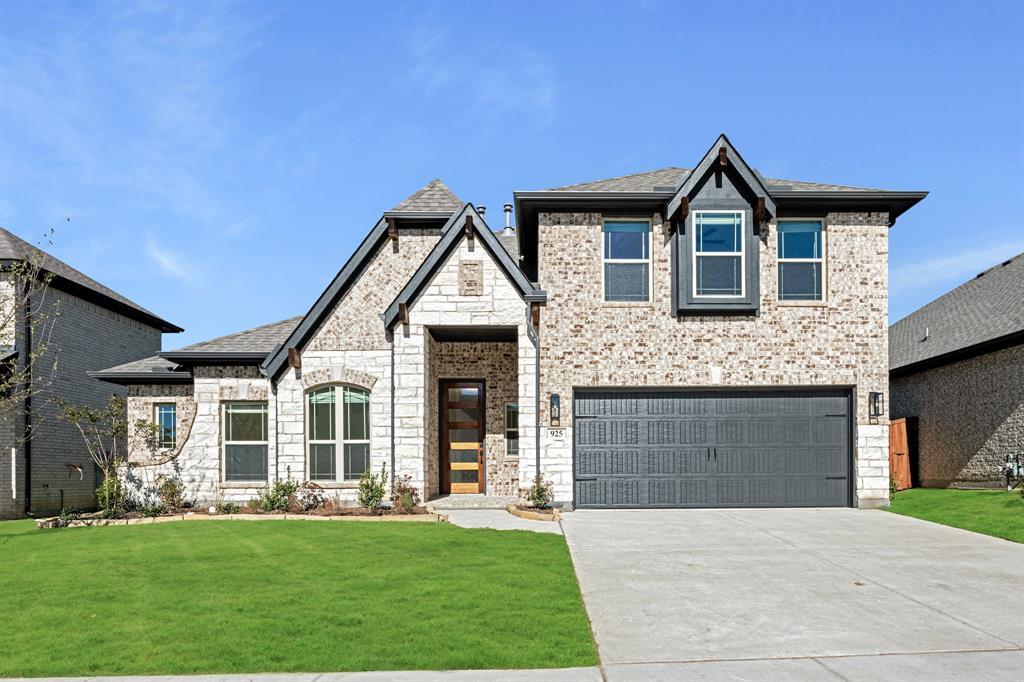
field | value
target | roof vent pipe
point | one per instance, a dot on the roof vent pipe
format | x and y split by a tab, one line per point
481	210
927	334
508	215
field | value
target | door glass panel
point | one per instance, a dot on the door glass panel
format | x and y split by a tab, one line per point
462	414
463	436
465	476
465	394
462	455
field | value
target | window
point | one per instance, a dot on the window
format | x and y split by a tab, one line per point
165	418
245	441
718	254
801	260
627	260
512	428
339	433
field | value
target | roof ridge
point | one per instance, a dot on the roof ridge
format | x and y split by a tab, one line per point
624	176
223	337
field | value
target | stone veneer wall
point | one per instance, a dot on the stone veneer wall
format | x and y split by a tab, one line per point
440	303
970	416
497	364
586	342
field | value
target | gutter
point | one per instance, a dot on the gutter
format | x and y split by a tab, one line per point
213	357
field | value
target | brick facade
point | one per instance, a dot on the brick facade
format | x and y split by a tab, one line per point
970	416
586	342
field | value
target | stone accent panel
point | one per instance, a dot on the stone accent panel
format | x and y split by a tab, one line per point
970	416
338	375
843	341
497	364
355	323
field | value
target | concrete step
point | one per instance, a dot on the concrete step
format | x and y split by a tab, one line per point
470	502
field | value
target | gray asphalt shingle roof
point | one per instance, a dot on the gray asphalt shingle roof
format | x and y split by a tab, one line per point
256	340
672	177
155	365
13	247
986	308
435	196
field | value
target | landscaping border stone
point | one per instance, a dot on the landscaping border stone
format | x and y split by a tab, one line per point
54	521
547	515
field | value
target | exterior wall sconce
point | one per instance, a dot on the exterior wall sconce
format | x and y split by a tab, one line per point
555	413
876	406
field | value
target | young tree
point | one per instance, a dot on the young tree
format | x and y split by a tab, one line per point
28	313
112	441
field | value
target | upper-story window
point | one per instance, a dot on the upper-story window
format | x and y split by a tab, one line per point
338	428
718	254
627	260
245	441
166	420
801	260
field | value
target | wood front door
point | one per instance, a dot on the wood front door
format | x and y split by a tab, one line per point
462	436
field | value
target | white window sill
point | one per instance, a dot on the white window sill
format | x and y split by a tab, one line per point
243	484
627	304
802	304
337	485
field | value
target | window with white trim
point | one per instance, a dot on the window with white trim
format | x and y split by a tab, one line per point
801	260
627	260
338	430
165	417
718	255
245	441
512	428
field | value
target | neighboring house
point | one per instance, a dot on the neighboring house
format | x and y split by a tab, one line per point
677	338
44	465
957	366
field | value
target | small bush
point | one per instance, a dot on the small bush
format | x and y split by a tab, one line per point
311	496
112	497
894	486
372	488
228	508
68	515
151	510
170	490
279	497
541	493
404	495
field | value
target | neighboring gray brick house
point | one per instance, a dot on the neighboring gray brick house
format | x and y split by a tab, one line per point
680	338
957	367
90	327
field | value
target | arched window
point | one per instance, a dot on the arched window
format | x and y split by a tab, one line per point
338	429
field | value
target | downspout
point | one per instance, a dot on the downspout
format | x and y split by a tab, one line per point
393	409
535	338
27	434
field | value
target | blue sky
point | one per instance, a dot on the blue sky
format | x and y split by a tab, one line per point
220	162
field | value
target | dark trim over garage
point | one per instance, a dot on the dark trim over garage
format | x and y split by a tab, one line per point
713	447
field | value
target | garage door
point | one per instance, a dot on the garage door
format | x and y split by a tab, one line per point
712	449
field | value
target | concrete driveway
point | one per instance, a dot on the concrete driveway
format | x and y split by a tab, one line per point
797	595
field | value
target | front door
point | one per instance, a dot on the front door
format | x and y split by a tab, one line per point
462	436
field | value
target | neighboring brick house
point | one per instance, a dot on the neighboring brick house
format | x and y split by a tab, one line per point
652	346
44	465
956	366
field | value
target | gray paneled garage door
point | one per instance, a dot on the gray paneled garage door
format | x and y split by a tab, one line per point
712	448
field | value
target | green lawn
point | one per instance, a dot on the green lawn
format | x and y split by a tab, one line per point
992	512
234	596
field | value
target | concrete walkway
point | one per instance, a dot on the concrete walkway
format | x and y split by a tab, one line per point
498	519
796	595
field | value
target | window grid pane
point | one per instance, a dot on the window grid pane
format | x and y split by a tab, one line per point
627	260
512	429
801	260
357	460
166	421
338	433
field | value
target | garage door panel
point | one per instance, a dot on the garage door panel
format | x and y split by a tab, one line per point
705	448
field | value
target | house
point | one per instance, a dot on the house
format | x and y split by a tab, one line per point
74	325
957	367
675	338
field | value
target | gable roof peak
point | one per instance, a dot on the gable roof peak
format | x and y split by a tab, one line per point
435	196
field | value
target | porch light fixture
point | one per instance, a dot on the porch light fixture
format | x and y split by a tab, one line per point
876	405
556	410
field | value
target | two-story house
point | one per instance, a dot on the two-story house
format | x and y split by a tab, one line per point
678	338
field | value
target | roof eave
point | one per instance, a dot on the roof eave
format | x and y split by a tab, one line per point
965	353
214	357
126	378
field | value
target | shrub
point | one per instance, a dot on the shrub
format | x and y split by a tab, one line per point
112	497
894	486
311	496
170	490
541	493
151	510
228	507
404	495
372	488
68	515
278	497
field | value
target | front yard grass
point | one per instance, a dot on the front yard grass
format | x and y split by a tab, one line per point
237	596
992	512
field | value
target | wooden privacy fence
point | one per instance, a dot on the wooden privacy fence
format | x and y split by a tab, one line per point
899	454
